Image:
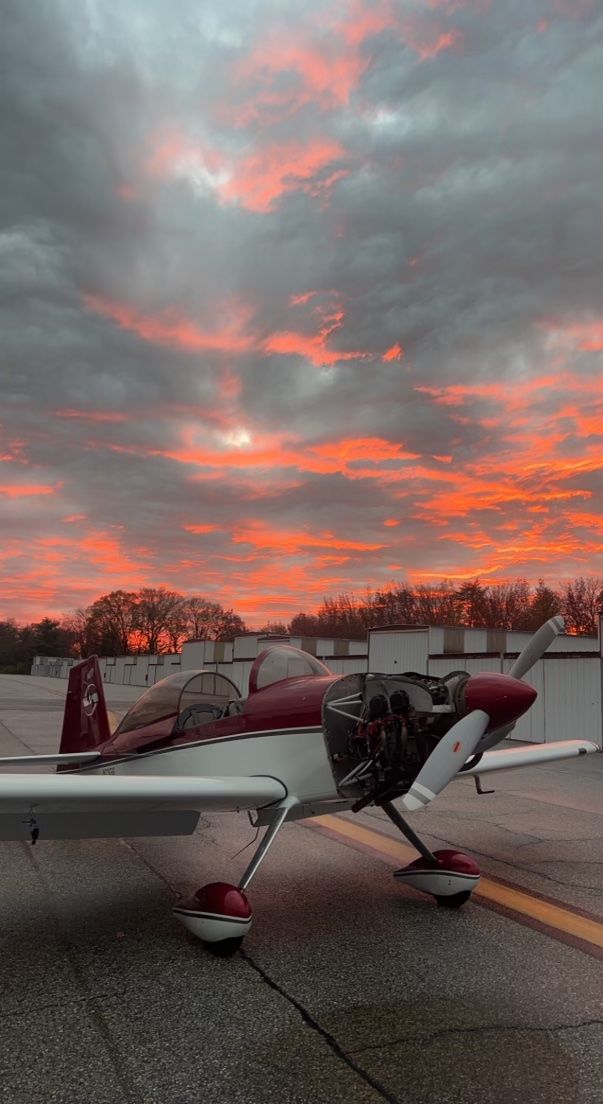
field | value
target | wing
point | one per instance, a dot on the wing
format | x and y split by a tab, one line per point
71	759
74	806
531	756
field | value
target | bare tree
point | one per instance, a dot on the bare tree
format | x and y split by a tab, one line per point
304	624
112	622
277	627
397	606
509	605
78	625
343	616
10	639
435	605
545	603
207	620
160	618
471	601
581	601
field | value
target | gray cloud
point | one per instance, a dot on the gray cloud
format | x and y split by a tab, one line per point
173	179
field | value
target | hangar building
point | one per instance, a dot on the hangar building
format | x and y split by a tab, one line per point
568	678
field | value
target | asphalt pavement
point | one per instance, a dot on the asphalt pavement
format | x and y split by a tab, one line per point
348	987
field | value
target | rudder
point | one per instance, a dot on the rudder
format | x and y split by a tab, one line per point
85	722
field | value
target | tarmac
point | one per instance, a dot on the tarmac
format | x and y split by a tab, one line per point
348	987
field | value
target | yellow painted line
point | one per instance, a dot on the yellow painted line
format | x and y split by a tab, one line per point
517	900
393	848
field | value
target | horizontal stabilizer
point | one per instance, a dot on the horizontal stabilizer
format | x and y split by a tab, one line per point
532	755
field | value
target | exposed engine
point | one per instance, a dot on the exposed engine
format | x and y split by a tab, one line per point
388	741
382	728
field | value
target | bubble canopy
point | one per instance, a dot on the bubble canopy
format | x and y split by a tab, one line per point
173	695
281	661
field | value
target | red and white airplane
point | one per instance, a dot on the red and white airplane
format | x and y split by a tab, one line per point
303	743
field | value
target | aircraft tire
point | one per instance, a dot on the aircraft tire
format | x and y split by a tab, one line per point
453	900
224	948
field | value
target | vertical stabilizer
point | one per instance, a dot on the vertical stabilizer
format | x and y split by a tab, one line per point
85	724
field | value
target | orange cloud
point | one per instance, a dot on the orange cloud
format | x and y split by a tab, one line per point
290	68
12	451
260	535
169	327
314	347
93	415
349	450
106	551
25	490
268	455
262	177
286	70
586	335
511	396
297	300
416	576
254	178
396	352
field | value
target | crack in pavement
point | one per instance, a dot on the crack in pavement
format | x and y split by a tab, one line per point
147	863
13	736
525	869
325	1035
131	1093
431	837
476	1030
568	862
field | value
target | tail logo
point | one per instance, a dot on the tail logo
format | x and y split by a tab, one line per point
90	699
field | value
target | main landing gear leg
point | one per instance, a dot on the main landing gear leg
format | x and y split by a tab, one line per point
448	876
220	913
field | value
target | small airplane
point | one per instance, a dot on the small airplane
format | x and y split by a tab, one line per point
304	742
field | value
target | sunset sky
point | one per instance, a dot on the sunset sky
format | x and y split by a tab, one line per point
298	298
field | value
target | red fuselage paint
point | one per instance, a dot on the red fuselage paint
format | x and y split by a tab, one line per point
291	703
297	703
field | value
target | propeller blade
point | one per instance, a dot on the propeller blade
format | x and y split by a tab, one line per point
447	759
537	646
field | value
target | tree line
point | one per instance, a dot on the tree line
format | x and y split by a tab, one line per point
155	620
150	621
514	605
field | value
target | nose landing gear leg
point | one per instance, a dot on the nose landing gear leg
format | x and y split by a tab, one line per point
448	876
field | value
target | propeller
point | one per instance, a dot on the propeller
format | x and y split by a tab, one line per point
494	701
446	759
533	651
537	646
